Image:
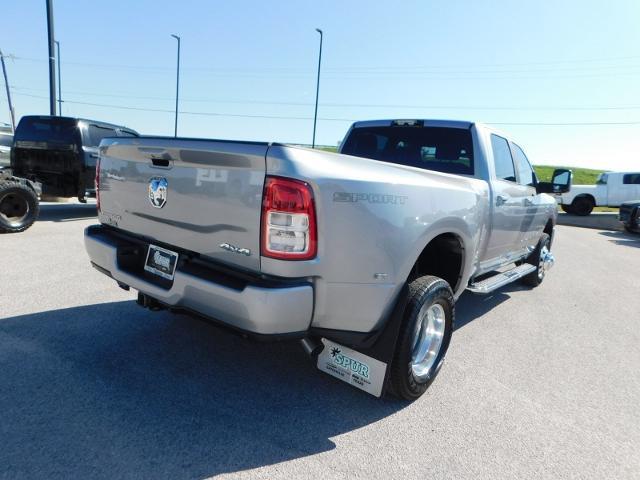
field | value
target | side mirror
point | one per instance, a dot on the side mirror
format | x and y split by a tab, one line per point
560	182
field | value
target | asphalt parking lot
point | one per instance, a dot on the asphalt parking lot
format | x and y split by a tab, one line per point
540	383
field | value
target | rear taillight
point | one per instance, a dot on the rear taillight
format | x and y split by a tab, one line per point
98	184
288	220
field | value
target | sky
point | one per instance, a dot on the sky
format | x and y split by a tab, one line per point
561	78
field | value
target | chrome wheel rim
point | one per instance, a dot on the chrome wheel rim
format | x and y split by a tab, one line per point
13	209
542	262
427	339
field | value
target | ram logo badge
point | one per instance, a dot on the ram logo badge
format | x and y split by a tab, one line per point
232	248
158	191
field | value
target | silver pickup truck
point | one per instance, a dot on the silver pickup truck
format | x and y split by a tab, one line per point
359	254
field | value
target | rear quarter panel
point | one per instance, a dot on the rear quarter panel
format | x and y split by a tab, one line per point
374	220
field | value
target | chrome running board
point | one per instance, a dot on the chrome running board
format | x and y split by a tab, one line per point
490	284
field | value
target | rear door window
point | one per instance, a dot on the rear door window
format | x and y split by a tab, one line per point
447	150
126	133
526	175
97	133
505	169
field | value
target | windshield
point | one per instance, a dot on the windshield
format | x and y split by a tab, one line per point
448	150
46	129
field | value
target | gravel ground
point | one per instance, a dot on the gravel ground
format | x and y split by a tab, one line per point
540	383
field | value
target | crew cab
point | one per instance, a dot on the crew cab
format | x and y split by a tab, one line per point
60	153
360	255
610	190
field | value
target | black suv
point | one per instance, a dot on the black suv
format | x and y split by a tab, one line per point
61	153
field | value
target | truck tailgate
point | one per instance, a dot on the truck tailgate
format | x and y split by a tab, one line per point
201	195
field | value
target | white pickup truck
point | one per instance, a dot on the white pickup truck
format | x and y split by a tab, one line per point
611	190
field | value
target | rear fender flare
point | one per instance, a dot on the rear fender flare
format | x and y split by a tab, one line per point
452	225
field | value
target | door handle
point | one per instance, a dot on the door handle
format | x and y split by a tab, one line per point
500	200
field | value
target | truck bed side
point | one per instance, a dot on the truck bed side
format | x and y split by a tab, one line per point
374	220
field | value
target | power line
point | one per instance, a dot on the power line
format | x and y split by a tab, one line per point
211	114
352	68
275	117
413	72
351	105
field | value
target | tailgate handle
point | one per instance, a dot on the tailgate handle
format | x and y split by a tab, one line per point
160	162
159	156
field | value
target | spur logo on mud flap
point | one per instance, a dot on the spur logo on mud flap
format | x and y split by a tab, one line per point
349	363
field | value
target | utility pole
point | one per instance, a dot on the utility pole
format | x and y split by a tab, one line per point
6	84
59	82
315	115
175	132
52	59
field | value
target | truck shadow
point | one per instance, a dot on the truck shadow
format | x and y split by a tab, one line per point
66	212
111	390
623	238
471	306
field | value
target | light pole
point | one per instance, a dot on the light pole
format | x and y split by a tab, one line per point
52	60
175	132
315	115
6	84
59	82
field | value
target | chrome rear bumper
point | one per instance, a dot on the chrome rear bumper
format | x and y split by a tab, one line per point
263	310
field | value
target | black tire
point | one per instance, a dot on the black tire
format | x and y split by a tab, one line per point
19	207
567	209
536	277
631	229
582	206
634	221
422	293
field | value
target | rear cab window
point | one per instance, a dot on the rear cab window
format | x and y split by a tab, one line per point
441	149
46	129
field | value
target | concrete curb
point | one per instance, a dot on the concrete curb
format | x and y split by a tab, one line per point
599	220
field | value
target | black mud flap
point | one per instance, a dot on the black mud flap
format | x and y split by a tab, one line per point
362	360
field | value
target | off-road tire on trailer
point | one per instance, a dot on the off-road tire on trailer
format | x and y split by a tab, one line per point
536	277
582	206
19	206
430	306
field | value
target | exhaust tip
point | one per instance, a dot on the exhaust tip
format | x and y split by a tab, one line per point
311	347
